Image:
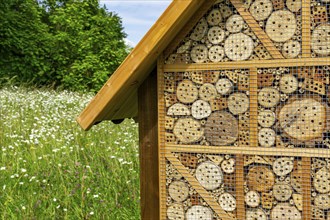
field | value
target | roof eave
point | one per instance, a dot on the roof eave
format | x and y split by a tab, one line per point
138	64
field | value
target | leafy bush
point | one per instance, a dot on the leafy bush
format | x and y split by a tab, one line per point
73	44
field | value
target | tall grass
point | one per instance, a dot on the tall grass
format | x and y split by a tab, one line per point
51	169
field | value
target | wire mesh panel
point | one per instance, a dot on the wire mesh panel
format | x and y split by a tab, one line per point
320	28
251	30
273	188
210	179
244	113
292	107
320	188
197	102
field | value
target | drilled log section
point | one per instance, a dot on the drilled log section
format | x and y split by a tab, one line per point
263	37
199	189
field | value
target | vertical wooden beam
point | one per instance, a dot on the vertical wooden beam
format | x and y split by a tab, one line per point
161	136
148	140
240	187
306	28
306	188
253	89
255	27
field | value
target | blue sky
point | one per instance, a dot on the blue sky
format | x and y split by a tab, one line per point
137	16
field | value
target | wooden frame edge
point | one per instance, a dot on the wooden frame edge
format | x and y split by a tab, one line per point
257	151
161	137
322	61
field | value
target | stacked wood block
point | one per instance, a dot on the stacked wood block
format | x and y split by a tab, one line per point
214	173
205	100
246	113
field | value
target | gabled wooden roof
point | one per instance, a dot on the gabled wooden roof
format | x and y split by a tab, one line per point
118	97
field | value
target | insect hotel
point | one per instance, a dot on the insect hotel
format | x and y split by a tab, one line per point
232	99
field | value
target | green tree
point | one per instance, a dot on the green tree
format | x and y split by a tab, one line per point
74	44
88	43
24	40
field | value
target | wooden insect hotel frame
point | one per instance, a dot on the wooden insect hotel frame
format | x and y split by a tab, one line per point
233	103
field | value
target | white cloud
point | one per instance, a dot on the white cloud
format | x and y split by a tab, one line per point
129	43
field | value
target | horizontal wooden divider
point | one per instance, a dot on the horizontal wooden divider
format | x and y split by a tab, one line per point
257	151
248	64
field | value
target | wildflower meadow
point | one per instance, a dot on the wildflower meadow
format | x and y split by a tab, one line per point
51	169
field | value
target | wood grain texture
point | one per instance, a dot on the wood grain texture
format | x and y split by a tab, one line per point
253	107
161	136
148	141
240	187
260	151
306	28
199	189
255	27
110	100
306	188
248	64
188	27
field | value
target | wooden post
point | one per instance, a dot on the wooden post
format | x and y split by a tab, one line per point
148	140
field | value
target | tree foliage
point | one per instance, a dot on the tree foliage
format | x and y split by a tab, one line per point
74	44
